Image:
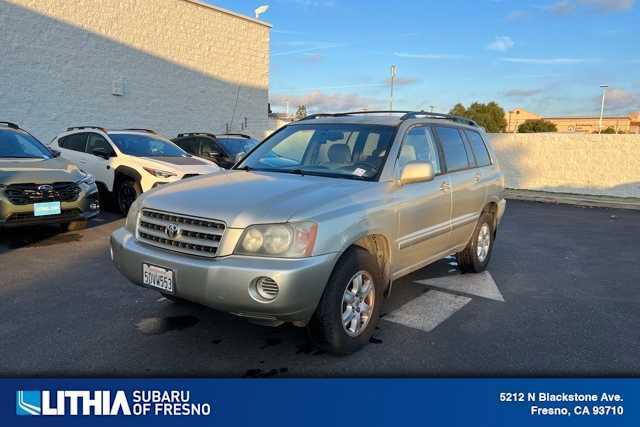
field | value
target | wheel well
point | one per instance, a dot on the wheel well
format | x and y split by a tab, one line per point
123	173
378	246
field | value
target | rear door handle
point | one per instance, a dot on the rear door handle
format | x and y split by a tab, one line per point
445	186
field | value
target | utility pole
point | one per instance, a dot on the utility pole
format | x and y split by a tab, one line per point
604	91
393	80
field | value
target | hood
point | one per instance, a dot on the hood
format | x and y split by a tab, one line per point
184	165
39	171
241	198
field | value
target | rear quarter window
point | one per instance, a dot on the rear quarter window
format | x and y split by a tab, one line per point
455	154
75	142
479	148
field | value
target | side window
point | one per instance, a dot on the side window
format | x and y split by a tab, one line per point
479	148
75	142
455	155
419	146
190	145
293	146
97	143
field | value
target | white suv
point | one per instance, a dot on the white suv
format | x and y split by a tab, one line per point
128	162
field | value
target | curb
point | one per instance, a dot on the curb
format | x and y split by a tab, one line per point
574	199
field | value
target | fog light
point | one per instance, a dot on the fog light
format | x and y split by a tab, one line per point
94	205
111	252
267	288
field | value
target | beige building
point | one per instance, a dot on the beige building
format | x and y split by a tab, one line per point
170	65
582	124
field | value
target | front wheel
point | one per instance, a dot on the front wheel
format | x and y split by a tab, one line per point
349	308
475	257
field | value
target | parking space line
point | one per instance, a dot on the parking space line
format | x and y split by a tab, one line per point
480	285
428	310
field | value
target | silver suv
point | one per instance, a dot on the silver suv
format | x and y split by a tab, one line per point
315	223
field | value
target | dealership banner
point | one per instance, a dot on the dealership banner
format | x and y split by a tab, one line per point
320	402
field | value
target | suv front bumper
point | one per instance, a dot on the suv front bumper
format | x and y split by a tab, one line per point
224	283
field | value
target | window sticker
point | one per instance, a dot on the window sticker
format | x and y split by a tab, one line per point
359	172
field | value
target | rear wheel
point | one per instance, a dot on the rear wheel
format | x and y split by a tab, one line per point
127	192
475	257
349	309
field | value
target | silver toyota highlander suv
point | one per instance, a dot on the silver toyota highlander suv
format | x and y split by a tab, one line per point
315	223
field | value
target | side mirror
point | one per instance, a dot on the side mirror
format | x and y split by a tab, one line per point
213	154
416	172
54	153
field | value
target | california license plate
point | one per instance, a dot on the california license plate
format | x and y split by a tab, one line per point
48	208
158	277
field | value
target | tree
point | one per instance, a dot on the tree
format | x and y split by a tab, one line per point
301	113
490	116
610	129
537	125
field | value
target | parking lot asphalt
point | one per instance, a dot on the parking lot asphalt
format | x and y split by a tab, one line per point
562	297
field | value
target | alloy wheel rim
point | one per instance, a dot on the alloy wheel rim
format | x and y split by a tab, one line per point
357	303
484	242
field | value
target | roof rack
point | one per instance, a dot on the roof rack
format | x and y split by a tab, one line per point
180	135
141	130
10	124
406	114
86	127
243	135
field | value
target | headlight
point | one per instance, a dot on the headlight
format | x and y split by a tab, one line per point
86	178
159	173
290	240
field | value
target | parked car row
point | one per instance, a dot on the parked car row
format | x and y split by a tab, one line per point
57	183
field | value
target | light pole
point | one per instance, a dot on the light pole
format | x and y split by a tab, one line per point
604	91
393	80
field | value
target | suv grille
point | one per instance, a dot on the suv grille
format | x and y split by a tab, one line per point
180	233
27	194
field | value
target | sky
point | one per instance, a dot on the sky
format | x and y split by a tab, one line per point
547	56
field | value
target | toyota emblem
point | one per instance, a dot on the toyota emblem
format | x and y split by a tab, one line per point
45	187
171	231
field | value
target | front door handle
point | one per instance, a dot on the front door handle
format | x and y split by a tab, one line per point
445	186
476	178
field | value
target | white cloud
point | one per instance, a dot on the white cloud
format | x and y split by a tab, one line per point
563	7
501	44
609	5
550	61
327	102
621	99
522	93
427	55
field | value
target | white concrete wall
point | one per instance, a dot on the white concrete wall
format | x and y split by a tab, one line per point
183	66
591	164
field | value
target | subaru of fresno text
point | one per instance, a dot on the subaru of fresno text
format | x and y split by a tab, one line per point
38	187
314	225
128	162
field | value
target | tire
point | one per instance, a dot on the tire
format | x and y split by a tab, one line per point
326	327
127	192
476	256
74	225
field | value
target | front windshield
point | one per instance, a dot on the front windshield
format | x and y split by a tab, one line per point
20	145
146	145
337	150
234	146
